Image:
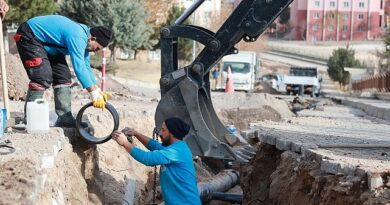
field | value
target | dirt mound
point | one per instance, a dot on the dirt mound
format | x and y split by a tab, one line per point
242	117
17	80
264	87
241	108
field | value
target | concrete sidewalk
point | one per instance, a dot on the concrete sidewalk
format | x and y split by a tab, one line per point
373	107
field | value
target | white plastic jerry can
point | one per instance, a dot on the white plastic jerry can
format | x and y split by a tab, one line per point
37	114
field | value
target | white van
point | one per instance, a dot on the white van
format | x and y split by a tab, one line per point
244	68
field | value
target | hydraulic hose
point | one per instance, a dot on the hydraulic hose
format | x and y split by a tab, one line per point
85	134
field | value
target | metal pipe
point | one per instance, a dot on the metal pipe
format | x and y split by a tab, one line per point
222	182
188	12
233	198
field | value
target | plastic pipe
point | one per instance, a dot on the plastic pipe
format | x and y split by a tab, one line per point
222	182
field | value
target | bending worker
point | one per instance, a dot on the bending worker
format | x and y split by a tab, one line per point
43	42
177	172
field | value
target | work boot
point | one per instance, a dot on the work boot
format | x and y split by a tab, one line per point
62	101
32	95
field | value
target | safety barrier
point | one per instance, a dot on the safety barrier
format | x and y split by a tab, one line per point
379	83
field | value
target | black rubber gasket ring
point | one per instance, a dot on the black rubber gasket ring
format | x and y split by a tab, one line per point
86	135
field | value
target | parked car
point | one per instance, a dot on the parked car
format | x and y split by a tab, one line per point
276	81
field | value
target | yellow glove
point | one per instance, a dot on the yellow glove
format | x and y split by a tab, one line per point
99	98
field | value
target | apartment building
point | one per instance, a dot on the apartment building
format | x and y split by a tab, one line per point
337	20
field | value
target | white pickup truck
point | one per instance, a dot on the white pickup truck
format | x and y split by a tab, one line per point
303	80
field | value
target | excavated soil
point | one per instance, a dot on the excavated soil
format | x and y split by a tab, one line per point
240	109
17	80
276	177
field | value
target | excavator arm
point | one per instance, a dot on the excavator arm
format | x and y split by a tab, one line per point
185	92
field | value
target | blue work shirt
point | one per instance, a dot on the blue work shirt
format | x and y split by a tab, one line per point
72	36
177	172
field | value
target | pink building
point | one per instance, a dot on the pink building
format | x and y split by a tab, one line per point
337	20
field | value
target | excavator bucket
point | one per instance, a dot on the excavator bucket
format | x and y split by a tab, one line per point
185	92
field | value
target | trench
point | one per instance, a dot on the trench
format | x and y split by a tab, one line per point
271	177
285	177
88	167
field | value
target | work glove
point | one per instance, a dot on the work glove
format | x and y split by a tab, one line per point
129	132
99	98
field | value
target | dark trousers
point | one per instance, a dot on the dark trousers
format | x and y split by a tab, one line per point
41	68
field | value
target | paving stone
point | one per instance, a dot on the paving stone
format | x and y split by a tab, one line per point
330	166
271	140
308	154
374	180
360	172
282	144
347	169
319	157
296	147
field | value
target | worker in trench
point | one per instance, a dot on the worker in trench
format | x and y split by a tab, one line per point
43	42
177	172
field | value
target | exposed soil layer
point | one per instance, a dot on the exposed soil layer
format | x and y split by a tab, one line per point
276	177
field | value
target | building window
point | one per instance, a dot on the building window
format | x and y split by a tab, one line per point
329	38
332	4
315	27
316	15
332	15
346	4
317	4
345	28
361	4
361	16
360	28
331	28
345	17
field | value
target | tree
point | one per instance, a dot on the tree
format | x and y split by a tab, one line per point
127	19
157	16
22	10
341	58
384	57
284	16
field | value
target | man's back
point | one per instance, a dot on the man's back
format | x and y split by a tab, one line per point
59	30
178	179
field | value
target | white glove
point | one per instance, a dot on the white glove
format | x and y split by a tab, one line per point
99	98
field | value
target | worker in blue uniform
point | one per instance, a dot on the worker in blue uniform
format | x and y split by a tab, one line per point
43	42
177	172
